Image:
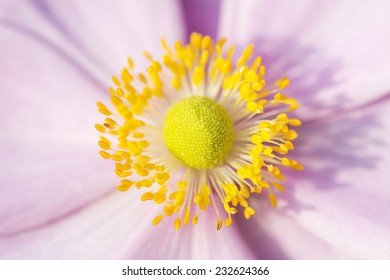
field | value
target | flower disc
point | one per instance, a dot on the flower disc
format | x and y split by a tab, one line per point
198	131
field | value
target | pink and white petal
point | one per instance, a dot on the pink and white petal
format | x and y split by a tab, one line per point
105	229
276	235
201	16
339	206
119	227
335	52
102	36
49	160
201	241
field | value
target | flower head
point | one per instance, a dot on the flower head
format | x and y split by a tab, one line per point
58	198
199	129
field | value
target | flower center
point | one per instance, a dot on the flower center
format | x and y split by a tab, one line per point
198	131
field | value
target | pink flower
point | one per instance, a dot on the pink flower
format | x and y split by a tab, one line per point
58	198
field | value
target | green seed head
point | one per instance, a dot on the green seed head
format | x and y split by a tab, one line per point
198	131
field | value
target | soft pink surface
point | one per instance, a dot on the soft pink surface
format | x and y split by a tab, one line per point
336	53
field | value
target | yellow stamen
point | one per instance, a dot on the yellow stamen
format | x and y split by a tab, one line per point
199	128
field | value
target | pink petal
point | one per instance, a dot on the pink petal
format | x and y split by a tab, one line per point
339	206
101	35
49	156
119	226
335	52
201	241
201	16
105	229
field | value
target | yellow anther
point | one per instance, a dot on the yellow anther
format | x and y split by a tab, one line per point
246	55
160	195
186	216
282	83
109	123
228	222
160	168
123	174
257	62
245	172
177	223
219	45
198	76
122	188
147	196
116	158
100	128
255	107
134	148
244	192
291	134
179	198
148	55
182	185
142	78
176	84
127	182
219	224
144	184
280	97
157	219
130	62
169	209
195	40
116	101
105	155
104	145
272	199
226	207
206	42
285	161
256	139
161	177
294	122
195	219
243	202
142	172
247	93
204	58
268	151
116	81
248	212
120	92
289	145
105	111
278	186
150	166
294	164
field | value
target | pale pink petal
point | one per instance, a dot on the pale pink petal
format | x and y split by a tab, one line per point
119	226
101	34
201	241
106	229
48	146
201	16
339	206
336	53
